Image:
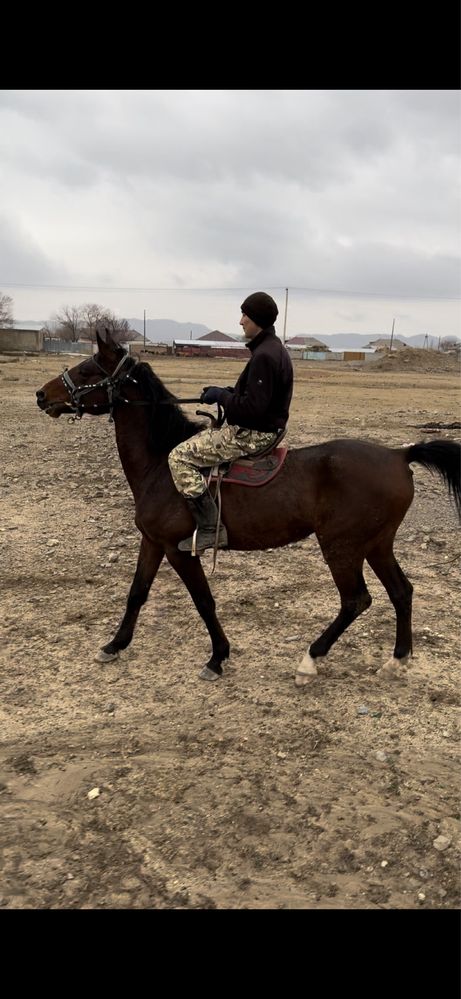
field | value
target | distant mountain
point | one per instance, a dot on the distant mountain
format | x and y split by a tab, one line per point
167	330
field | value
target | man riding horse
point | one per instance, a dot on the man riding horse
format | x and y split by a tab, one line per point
256	412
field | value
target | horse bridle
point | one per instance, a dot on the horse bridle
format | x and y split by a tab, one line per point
112	384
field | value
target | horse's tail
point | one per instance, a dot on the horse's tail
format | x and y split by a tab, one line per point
443	457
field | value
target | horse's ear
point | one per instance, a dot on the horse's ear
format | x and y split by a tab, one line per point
104	338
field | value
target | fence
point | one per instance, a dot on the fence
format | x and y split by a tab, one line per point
67	347
86	347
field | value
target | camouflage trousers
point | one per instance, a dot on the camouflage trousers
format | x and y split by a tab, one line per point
208	448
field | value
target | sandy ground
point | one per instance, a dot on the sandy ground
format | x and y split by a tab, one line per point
247	793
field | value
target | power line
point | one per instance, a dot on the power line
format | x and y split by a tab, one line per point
113	287
319	291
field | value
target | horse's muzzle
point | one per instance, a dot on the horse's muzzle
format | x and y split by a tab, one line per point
51	408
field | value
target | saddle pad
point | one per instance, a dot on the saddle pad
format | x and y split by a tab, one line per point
254	471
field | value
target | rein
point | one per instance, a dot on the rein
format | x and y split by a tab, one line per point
112	383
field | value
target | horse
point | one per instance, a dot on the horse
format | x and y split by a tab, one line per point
352	494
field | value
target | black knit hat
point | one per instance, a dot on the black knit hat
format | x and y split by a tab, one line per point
261	309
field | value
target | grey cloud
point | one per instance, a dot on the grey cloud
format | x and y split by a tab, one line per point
394	271
353	190
353	316
210	135
22	260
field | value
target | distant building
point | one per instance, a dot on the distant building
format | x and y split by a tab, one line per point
300	343
15	340
209	348
27	325
151	347
217	337
384	343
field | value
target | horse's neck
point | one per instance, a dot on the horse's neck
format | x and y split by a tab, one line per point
133	442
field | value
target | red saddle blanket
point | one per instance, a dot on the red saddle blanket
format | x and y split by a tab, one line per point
254	471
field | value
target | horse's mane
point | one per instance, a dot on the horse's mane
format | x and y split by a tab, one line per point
169	425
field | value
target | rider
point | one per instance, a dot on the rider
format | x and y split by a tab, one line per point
256	411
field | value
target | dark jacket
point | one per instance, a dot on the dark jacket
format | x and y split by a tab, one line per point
261	398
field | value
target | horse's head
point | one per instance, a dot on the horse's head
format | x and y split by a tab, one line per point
92	385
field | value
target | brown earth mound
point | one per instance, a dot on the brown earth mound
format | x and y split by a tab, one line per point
417	359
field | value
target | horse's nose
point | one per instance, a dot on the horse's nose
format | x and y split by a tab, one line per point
40	395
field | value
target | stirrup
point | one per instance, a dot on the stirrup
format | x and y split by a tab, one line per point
190	544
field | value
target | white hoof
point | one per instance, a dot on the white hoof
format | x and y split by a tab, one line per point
306	672
105	657
209	674
302	679
394	669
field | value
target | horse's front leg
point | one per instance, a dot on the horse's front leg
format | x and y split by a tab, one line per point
149	559
190	570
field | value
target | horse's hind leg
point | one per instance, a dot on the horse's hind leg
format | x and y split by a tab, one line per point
191	572
355	599
149	559
384	564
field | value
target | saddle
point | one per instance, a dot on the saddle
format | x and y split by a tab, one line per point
251	470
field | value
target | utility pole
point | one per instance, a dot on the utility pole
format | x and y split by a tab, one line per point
144	329
285	319
392	334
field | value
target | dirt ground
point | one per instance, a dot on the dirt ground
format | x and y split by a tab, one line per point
248	793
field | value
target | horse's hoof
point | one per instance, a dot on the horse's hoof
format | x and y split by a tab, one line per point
394	669
105	657
306	672
301	679
208	674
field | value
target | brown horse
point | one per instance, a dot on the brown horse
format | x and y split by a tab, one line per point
352	494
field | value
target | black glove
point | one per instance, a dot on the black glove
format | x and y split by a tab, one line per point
210	394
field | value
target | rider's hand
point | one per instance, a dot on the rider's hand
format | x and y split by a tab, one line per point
211	394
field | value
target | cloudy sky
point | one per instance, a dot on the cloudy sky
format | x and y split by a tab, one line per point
181	202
